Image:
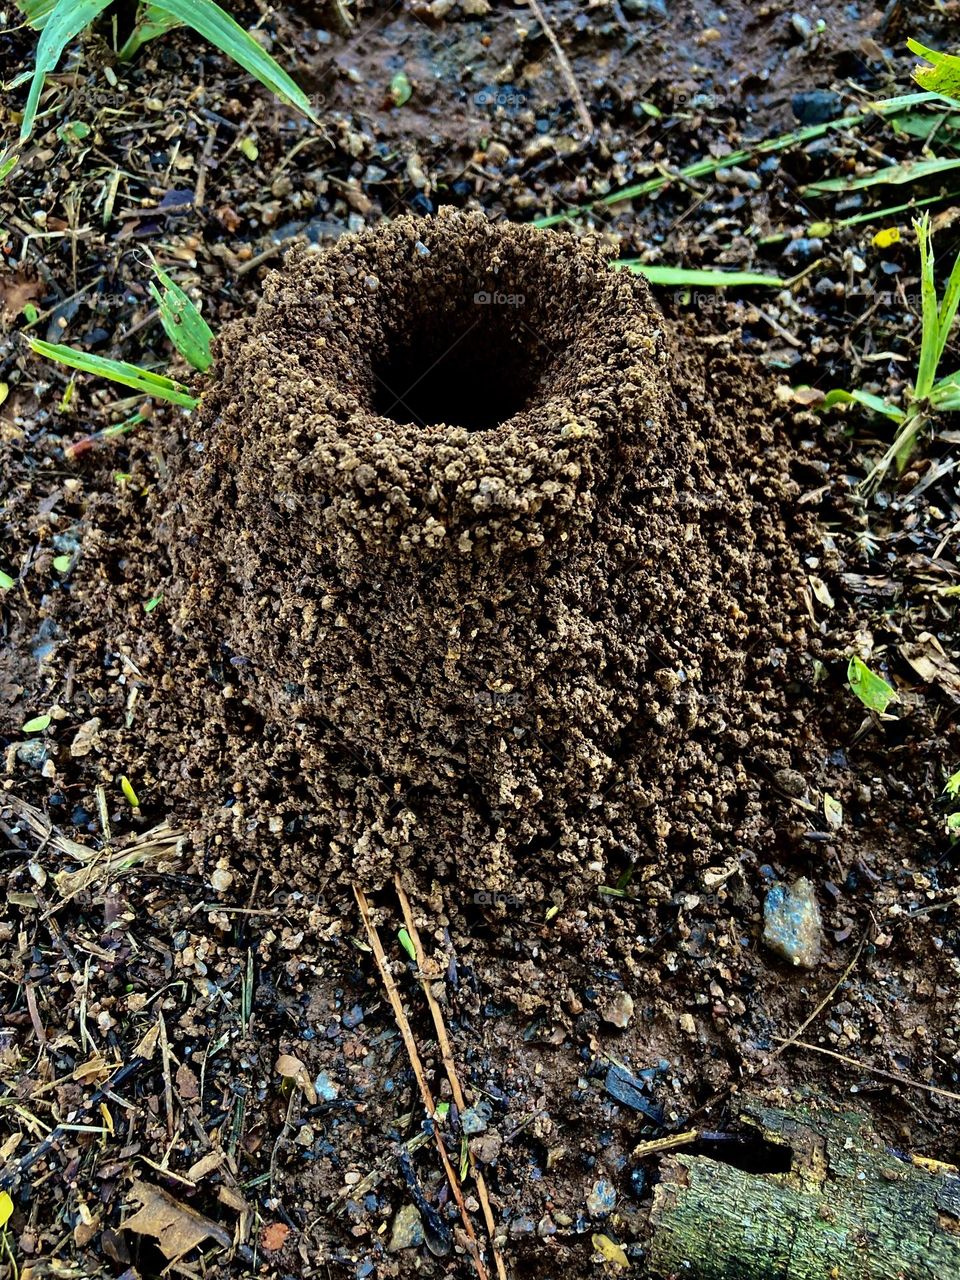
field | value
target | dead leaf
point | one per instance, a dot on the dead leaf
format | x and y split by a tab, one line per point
932	665
188	1086
176	1226
274	1236
292	1068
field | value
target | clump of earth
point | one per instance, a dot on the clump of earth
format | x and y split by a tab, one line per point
464	546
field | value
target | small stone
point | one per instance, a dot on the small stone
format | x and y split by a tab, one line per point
816	106
325	1087
791	923
353	1017
791	783
475	1119
84	740
619	1010
221	880
602	1198
33	753
687	1024
407	1231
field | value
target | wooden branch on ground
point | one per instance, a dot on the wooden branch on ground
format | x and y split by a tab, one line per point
848	1207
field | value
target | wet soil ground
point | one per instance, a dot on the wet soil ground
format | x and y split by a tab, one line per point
194	1022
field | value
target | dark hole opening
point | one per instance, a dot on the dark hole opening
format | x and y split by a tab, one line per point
474	377
750	1152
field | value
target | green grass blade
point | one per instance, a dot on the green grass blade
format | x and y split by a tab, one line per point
930	316
65	21
895	176
767	146
697	276
220	29
151	22
872	402
128	375
184	325
36	12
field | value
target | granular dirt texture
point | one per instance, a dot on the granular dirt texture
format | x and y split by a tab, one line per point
483	562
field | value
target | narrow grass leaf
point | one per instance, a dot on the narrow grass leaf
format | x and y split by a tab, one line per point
767	146
875	403
407	943
65	21
7	166
219	28
183	323
872	690
128	375
36	12
893	176
151	22
696	276
930	315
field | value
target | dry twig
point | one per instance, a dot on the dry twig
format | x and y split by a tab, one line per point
451	1069
410	1044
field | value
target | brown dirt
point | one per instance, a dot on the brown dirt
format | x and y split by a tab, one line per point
478	568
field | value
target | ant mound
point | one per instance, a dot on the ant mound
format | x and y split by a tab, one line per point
487	573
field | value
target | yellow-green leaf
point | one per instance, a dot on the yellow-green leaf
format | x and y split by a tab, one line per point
127	789
407	943
6	1208
872	690
888	236
37	724
943	77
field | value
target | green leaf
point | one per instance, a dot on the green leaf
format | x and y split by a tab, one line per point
694	276
152	603
943	78
953	785
183	323
7	166
872	690
151	22
127	788
895	175
407	943
37	724
6	1208
62	563
839	396
401	90
220	29
128	375
65	21
36	12
930	325
6	582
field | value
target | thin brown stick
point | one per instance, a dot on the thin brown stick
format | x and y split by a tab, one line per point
564	63
875	1071
450	1066
403	1023
795	1038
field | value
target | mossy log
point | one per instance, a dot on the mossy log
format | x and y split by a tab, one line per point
848	1209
